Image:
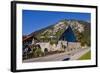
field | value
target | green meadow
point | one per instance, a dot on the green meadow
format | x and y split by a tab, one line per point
86	56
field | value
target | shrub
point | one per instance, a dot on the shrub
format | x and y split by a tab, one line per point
38	52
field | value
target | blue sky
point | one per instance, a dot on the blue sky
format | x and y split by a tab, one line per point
33	20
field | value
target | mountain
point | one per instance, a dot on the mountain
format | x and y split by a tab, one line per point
53	32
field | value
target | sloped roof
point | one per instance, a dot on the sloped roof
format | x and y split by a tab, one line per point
30	38
68	35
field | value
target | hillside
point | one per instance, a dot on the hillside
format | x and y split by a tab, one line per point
52	33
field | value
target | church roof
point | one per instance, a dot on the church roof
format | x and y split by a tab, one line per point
68	35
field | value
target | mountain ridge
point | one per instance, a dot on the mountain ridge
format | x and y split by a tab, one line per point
80	28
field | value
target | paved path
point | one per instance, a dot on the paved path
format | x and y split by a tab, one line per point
61	56
79	54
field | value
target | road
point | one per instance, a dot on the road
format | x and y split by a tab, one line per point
76	55
73	55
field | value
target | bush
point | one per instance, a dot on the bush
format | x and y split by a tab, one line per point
38	52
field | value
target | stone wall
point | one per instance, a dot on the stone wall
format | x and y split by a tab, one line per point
53	47
60	46
45	45
74	45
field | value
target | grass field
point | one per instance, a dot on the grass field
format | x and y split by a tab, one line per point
86	56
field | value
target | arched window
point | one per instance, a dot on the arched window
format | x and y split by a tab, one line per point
46	50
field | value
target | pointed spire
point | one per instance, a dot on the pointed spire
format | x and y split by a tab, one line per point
68	35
